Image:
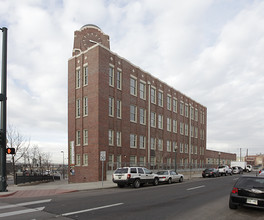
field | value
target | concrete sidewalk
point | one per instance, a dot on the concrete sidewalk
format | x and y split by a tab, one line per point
59	187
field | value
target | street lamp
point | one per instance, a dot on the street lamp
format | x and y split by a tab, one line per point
219	159
62	164
175	157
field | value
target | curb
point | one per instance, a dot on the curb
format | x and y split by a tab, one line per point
7	194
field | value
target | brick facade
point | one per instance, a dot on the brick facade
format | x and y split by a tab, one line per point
217	157
190	121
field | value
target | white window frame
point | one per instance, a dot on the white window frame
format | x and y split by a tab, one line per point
133	141
85	137
142	142
85	159
160	144
174	126
142	93
78	160
174	105
168	146
85	106
160	98
153	119
78	138
119	109
133	86
160	121
142	116
111	107
78	78
133	113
169	102
85	75
169	124
78	108
111	76
153	143
153	95
110	137
119	79
118	138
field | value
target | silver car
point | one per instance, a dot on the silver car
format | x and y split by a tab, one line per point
169	176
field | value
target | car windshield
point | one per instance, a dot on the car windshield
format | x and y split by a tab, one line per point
121	170
162	173
210	169
251	182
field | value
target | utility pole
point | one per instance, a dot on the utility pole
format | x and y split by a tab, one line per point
3	183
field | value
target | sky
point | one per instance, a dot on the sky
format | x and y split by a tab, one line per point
210	50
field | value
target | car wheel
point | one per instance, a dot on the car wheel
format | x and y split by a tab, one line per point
156	182
231	205
169	181
136	183
181	179
120	185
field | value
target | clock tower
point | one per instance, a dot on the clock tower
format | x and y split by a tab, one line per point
88	36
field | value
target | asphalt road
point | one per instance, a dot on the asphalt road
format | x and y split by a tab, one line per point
199	199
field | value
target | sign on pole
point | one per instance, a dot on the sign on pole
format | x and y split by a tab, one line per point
102	158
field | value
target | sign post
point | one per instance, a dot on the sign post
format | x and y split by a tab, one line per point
102	158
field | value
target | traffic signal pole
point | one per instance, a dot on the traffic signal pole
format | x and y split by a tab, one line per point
3	183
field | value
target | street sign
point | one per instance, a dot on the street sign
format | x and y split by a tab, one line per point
102	155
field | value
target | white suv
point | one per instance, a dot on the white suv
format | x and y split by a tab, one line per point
135	176
224	170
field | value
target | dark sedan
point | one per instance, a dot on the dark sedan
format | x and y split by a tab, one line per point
247	191
211	172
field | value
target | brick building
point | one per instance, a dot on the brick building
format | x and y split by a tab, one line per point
116	107
215	158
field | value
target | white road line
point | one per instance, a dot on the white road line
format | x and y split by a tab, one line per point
92	209
197	187
24	204
6	214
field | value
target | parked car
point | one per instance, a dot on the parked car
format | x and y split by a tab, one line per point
261	171
224	170
247	191
211	172
169	176
135	176
237	170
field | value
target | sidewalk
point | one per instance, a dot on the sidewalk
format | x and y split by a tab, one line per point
59	187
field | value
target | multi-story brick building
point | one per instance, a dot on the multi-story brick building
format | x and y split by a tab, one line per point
116	107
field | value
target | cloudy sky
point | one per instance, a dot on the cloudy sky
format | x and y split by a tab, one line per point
210	50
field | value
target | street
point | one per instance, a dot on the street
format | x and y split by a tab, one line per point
197	199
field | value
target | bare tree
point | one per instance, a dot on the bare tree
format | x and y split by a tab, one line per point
19	142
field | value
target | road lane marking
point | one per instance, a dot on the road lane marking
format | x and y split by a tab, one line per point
92	209
197	187
6	214
25	203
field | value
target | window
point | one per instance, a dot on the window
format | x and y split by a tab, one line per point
119	79
141	162
133	113
168	124
85	75
195	149
160	121
160	98
85	106
142	90
78	78
111	160
186	129
186	110
196	132
111	106
153	119
111	137
153	95
118	160
85	137
85	159
192	113
174	126
118	109
174	145
196	114
174	105
181	147
78	138
181	128
78	108
133	140
78	159
152	161
191	149
160	144
133	86
169	102
133	161
153	143
186	148
142	116
118	138
168	146
181	108
169	161
142	142
111	76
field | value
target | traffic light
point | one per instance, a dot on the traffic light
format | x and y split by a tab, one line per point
10	150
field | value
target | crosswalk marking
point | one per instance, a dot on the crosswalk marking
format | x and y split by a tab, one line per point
25	203
6	214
